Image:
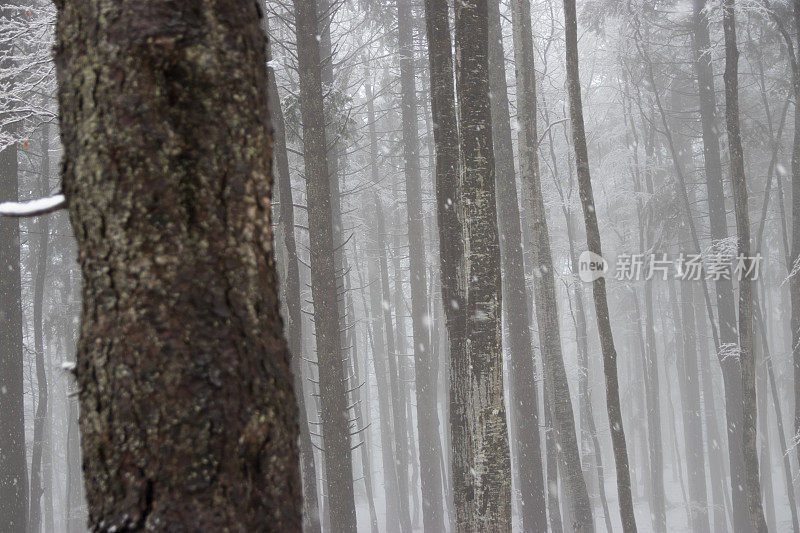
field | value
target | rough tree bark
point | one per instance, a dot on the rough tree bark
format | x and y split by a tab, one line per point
448	213
424	369
746	344
188	417
332	370
522	395
13	461
482	452
291	294
599	286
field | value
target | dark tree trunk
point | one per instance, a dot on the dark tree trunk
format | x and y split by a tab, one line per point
13	460
746	344
332	369
188	416
424	369
593	456
449	216
726	308
524	415
599	286
483	497
291	297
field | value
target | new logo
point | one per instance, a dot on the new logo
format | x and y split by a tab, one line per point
591	266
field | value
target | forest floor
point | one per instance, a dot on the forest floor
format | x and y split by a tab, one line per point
677	521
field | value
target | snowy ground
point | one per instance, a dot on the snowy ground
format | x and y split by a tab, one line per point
676	512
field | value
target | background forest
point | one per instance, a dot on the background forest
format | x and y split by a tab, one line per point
434	194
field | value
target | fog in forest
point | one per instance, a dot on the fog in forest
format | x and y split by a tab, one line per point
537	265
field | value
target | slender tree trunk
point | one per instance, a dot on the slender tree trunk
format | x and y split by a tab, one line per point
37	489
398	401
726	308
693	433
425	377
449	214
482	451
687	366
524	415
187	410
396	514
551	454
332	374
650	357
598	287
44	255
13	460
545	299
746	344
292	299
714	441
360	425
379	355
75	497
794	284
765	461
582	340
776	401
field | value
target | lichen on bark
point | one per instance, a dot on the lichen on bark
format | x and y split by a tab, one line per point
187	408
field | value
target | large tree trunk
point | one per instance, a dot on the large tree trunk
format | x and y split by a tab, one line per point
292	299
188	417
726	308
522	395
424	369
332	373
482	451
13	461
599	286
746	344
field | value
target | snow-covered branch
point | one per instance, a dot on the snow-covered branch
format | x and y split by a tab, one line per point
31	208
